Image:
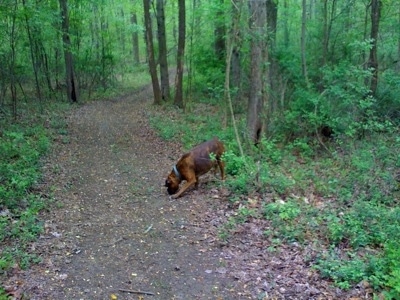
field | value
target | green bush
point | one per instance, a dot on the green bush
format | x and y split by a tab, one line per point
21	148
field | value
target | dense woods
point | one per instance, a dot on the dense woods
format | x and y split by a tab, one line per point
295	65
314	78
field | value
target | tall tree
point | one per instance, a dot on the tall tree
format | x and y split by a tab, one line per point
220	32
373	57
258	57
231	41
35	64
285	23
72	83
180	54
235	41
272	20
397	64
303	41
135	39
162	50
150	52
13	58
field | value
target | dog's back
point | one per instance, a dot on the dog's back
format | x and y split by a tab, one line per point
206	155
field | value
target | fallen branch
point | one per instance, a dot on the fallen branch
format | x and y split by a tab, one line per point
116	242
148	229
136	292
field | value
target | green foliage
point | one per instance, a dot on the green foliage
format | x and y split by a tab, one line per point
344	273
22	145
166	132
391	276
20	151
235	164
379	269
388	105
345	201
3	295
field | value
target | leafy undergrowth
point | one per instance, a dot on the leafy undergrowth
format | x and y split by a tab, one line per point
346	201
22	144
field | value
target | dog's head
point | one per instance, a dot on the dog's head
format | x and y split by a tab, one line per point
172	183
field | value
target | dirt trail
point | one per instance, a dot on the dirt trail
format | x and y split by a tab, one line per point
116	227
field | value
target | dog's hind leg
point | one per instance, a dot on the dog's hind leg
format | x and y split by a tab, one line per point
221	166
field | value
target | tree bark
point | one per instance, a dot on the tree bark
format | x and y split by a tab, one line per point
12	62
234	52
328	17
150	52
220	32
135	40
373	56
303	41
72	84
32	52
286	23
272	20
397	67
162	48
231	42
259	54
180	55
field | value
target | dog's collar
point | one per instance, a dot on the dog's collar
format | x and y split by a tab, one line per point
177	172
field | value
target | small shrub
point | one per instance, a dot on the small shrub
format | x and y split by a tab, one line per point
285	219
3	294
343	272
234	164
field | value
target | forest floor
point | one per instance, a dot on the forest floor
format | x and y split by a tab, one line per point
114	233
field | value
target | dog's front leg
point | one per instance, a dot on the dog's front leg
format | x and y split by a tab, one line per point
187	185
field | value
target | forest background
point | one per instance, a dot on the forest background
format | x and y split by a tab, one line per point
305	95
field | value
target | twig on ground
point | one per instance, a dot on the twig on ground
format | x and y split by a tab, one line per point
149	228
116	242
136	292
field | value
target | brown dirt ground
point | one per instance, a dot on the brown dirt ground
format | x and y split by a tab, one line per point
113	227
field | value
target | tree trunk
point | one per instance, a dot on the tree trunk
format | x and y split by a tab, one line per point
180	55
162	45
303	41
373	57
234	52
32	52
324	32
285	23
397	67
259	54
13	80
135	40
231	41
272	19
220	32
150	52
121	30
328	16
72	85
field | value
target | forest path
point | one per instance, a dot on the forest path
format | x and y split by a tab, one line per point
116	227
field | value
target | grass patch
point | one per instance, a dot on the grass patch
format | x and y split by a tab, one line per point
23	143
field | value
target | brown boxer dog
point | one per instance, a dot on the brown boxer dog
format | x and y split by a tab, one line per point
193	164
